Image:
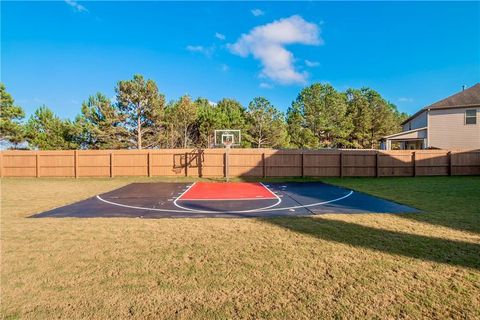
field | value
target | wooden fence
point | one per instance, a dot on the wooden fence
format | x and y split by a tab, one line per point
241	163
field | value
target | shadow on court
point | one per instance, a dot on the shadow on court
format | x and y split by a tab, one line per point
409	245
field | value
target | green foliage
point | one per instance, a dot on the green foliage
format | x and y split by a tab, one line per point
267	127
102	124
325	112
46	131
209	119
11	116
180	119
324	117
386	118
144	106
362	114
231	115
320	117
299	133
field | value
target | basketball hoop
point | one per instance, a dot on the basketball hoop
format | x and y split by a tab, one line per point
227	138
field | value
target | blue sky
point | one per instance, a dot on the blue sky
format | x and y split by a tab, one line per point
413	53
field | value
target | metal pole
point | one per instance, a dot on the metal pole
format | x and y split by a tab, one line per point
227	155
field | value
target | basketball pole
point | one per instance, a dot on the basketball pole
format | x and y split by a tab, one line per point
227	163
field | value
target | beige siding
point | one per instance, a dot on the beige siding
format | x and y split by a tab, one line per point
420	134
419	121
447	129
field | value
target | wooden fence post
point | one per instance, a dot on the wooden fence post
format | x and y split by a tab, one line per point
303	164
377	168
199	161
264	165
341	164
37	165
149	164
414	164
1	164
112	174
450	165
186	164
75	163
225	164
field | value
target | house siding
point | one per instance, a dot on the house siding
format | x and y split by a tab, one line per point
447	129
419	121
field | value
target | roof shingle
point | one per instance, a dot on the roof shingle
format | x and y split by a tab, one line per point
466	98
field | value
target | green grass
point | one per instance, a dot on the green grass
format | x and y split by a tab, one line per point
453	202
411	266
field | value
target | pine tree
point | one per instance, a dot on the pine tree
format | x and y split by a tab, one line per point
266	124
299	134
11	116
46	131
231	115
325	112
359	110
102	124
144	106
208	120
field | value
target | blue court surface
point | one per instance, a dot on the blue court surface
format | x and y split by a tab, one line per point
213	199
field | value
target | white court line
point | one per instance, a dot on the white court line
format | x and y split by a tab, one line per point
200	211
236	211
228	199
314	204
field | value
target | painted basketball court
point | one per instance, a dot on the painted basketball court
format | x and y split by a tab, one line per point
233	199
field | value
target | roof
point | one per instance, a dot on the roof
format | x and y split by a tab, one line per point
466	98
406	135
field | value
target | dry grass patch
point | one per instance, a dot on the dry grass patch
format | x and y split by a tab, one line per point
335	266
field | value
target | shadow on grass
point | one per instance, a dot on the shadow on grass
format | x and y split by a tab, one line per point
409	245
451	202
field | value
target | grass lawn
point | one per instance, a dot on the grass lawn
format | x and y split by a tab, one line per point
331	266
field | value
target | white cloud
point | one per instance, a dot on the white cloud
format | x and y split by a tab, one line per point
75	5
267	44
257	12
265	85
207	51
312	64
405	99
219	36
213	104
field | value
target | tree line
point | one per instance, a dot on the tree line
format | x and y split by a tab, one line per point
141	118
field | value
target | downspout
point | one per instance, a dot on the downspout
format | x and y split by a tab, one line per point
427	144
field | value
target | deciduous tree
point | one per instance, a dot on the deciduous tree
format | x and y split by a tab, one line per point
181	116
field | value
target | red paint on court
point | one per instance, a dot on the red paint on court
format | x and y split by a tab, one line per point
227	191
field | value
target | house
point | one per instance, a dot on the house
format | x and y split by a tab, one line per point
451	123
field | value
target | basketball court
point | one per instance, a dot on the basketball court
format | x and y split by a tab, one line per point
225	199
222	199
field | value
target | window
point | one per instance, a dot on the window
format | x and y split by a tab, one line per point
471	116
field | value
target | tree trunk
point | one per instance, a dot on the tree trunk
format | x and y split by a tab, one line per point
139	133
185	137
